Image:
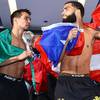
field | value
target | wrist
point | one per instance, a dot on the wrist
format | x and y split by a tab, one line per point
18	58
67	41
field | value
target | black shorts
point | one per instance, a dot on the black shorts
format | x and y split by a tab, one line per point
76	87
12	88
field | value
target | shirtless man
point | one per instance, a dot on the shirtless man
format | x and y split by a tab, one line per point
12	86
74	82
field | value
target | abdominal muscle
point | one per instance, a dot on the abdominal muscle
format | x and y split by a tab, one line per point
76	64
14	70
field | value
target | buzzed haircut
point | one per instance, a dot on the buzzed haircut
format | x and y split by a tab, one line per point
77	5
18	14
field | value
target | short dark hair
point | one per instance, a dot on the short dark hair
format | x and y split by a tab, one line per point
18	13
77	5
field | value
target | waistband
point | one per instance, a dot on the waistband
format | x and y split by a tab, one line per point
8	77
74	75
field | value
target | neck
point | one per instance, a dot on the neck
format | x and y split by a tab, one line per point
17	33
79	22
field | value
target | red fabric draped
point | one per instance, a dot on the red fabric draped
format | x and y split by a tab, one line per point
96	18
95	74
77	50
41	71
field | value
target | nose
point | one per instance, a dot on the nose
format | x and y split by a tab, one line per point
62	13
29	20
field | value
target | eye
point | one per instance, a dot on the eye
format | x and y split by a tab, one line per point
66	8
27	18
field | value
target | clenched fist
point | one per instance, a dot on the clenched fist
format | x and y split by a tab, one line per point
25	54
73	33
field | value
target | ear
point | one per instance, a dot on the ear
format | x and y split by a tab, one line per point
15	20
77	12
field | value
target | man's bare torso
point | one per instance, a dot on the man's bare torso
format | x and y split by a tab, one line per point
79	64
15	69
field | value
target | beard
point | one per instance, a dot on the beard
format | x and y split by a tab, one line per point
70	19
